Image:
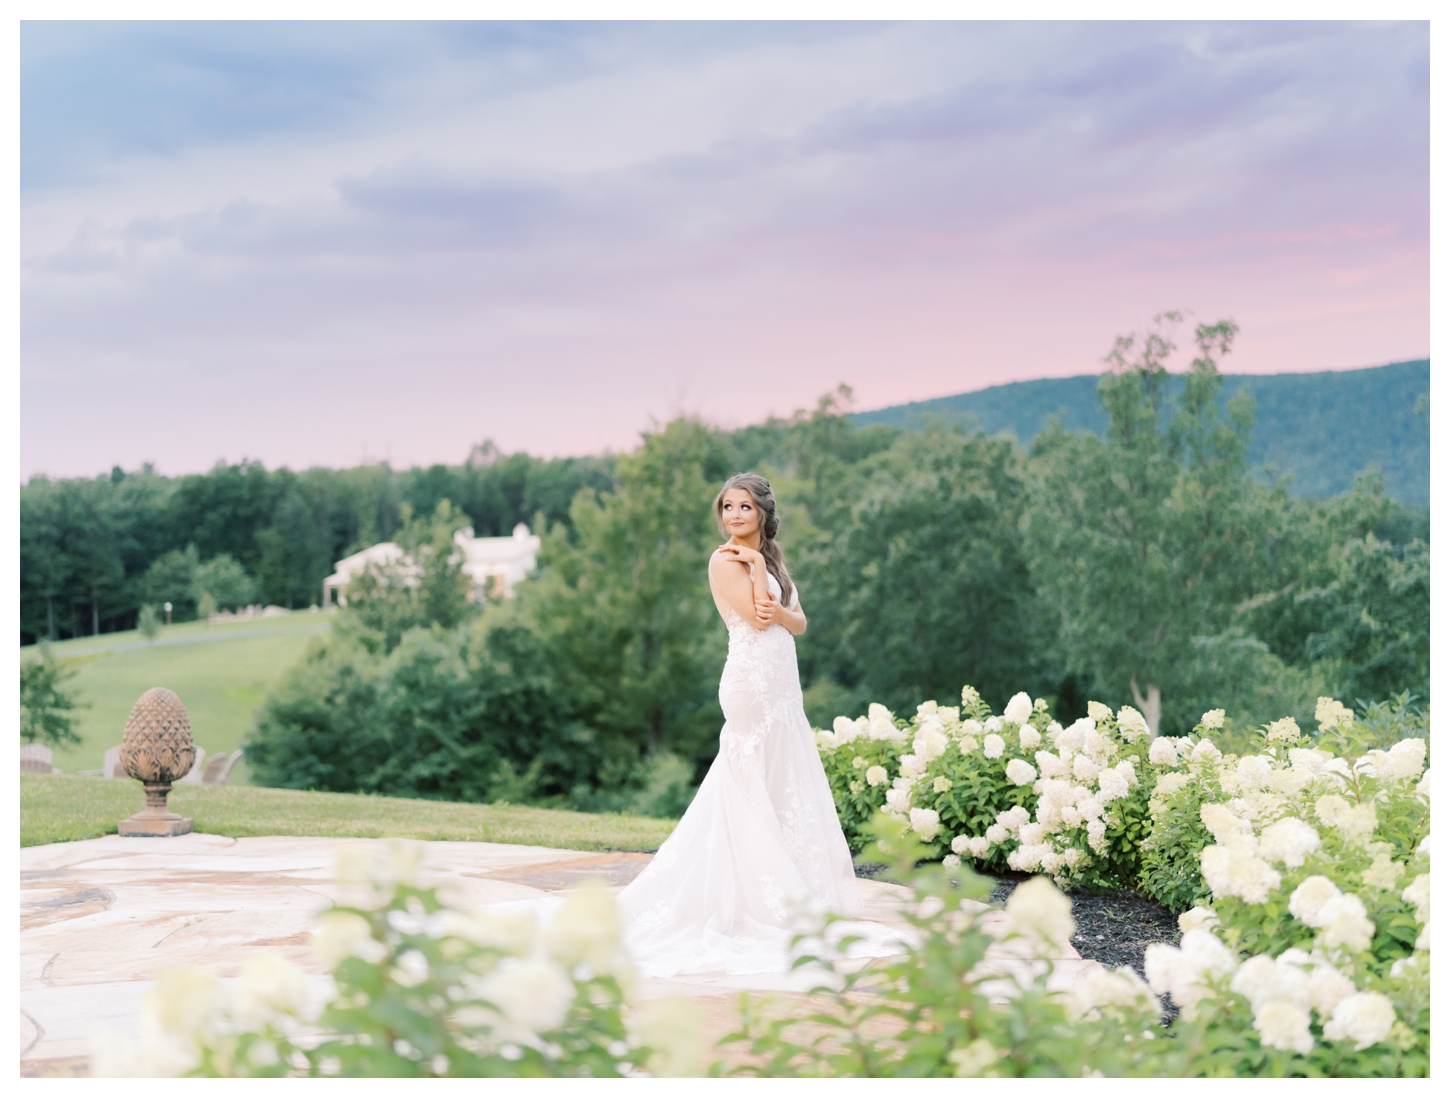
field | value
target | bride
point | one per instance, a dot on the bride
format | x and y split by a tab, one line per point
761	842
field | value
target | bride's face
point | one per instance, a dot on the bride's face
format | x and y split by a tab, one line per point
739	513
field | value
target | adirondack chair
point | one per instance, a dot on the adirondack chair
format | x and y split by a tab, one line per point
197	769
219	769
35	758
112	765
214	767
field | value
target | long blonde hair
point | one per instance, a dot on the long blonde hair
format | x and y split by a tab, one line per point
764	499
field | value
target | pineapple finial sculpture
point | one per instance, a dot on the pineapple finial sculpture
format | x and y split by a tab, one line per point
156	751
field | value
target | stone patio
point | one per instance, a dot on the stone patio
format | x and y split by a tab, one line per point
98	918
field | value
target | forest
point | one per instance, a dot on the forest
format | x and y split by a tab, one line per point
1151	564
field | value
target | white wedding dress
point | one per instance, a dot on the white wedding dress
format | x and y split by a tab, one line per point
760	846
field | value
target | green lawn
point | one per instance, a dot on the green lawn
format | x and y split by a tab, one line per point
221	673
63	807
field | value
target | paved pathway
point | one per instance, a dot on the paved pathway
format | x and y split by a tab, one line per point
98	918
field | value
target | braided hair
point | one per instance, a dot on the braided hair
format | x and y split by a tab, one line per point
764	499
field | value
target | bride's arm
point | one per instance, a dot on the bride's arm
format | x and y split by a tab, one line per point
730	576
792	617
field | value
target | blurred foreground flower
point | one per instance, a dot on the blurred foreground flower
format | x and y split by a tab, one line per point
421	990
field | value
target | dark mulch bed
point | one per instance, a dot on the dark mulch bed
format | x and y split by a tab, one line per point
1113	928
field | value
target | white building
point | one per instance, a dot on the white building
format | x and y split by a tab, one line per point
494	565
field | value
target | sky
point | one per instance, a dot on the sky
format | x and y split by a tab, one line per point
324	243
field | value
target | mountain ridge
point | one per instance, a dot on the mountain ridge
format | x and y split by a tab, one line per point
1322	427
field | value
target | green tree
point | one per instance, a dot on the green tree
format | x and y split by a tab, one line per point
172	578
920	584
45	705
427	586
148	622
1375	619
1144	541
624	605
225	581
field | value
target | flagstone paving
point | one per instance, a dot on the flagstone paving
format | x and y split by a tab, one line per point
99	918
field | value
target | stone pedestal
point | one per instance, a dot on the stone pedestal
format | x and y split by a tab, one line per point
160	829
155	819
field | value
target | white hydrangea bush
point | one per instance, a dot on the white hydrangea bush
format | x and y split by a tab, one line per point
421	990
862	759
1316	865
1019	791
1010	791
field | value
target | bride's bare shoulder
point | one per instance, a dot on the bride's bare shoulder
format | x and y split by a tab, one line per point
724	570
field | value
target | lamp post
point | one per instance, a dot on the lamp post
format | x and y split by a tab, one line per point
168	612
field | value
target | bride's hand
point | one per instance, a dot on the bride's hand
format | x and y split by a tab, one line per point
742	553
769	611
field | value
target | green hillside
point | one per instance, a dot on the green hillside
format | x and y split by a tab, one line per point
1323	428
221	672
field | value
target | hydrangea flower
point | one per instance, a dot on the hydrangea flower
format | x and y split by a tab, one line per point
1384	871
1205	752
1331	714
1029	737
931	741
1072	736
1326	988
1290	841
1101	987
1097	711
1345	923
1307	901
1284	730
1284	1025
925	822
1180	971
343	934
876	775
1038	911
1354	822
1111	785
1020	772
1197	918
1365	1018
1019	709
1404	760
1131	723
1014	817
1417	892
1212	719
1162	752
1230	872
993	746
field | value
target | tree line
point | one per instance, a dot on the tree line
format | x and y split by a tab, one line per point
1150	566
94	552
